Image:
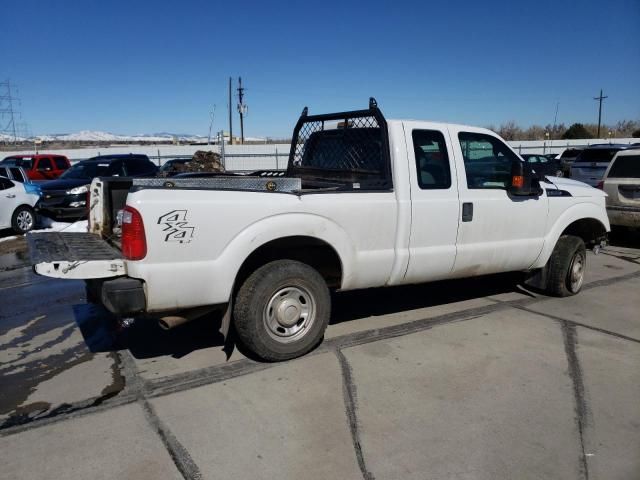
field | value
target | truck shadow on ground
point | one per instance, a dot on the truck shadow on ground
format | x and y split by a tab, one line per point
145	339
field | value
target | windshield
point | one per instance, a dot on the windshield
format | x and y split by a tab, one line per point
88	170
602	155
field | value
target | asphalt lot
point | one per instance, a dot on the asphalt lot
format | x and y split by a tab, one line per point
468	379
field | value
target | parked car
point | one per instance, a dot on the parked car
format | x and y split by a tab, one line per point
170	167
39	167
449	201
66	197
590	165
567	157
621	182
16	206
543	165
19	175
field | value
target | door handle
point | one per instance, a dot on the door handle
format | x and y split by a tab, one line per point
10	196
467	212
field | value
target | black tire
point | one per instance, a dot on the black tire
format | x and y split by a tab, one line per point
569	256
23	219
272	297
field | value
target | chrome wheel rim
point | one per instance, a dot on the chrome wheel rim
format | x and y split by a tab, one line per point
289	314
24	220
576	272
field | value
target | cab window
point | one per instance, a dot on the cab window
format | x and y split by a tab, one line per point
432	160
45	164
487	161
61	163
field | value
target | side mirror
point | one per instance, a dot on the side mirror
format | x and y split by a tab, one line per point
523	181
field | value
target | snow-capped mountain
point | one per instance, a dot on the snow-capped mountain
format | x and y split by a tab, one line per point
97	136
9	138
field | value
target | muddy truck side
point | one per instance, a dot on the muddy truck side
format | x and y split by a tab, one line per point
365	202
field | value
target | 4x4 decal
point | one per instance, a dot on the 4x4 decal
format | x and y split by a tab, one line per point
176	226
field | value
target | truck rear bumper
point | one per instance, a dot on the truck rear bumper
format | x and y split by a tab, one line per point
122	296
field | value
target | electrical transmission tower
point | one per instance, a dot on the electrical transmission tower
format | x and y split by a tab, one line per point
242	108
7	110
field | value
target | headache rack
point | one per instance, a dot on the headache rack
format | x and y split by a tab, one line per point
351	148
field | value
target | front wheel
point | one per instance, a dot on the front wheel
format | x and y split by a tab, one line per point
567	266
23	219
282	310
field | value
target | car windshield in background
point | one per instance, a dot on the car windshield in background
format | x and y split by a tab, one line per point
627	166
87	170
25	163
570	154
601	155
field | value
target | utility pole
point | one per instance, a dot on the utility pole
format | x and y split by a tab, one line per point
600	98
555	119
230	117
242	108
211	115
6	109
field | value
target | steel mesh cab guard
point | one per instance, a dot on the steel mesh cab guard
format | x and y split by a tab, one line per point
347	147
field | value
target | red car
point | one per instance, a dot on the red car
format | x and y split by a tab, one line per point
39	167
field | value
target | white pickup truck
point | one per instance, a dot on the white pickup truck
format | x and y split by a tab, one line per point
365	202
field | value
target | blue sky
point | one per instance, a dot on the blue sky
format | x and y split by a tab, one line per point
150	66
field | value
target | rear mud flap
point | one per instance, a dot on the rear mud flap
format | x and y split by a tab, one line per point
74	255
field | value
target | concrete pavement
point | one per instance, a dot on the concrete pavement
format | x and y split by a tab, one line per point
470	379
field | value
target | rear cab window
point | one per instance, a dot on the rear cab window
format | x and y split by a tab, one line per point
432	160
487	161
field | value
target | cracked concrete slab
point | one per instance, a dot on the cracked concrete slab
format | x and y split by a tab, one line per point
287	422
611	377
487	398
115	444
614	307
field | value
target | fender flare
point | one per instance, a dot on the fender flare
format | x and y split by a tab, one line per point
580	211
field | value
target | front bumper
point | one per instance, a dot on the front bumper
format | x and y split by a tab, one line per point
122	296
624	216
62	205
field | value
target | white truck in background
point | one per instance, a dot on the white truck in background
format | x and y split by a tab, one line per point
365	202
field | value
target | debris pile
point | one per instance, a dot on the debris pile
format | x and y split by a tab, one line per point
202	161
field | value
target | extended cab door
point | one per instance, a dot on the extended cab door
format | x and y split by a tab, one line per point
435	206
498	232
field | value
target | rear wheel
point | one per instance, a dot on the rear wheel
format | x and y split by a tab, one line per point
23	219
567	266
282	310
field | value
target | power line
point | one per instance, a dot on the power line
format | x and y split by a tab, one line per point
600	98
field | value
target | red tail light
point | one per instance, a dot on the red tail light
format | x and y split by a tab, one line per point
600	185
134	241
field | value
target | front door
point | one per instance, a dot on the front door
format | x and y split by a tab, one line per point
498	232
